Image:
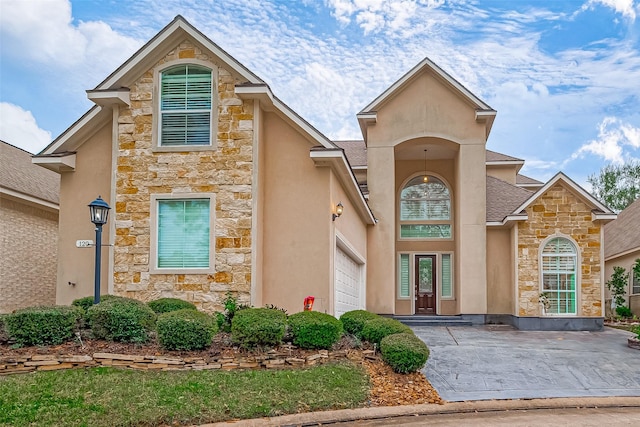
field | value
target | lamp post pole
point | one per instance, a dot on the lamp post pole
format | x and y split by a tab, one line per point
99	210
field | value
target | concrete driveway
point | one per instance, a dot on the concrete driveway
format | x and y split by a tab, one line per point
500	362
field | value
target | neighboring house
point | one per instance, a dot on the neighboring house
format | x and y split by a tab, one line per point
28	231
622	249
217	186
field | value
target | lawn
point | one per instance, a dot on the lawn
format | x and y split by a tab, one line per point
115	397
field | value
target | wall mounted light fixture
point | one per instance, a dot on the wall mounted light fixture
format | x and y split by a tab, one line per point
338	212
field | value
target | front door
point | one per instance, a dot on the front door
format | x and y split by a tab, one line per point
425	284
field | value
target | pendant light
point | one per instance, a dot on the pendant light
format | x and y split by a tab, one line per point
425	178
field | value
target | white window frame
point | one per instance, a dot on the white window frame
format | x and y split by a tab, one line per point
449	222
153	261
157	114
412	256
578	269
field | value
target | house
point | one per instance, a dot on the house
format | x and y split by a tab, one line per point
28	231
216	185
622	249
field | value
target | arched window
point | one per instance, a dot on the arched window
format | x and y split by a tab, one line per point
425	209
559	275
185	106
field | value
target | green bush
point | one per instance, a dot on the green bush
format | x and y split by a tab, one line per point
220	319
121	319
165	305
353	321
258	326
312	329
186	329
624	312
4	334
42	325
404	352
376	329
86	302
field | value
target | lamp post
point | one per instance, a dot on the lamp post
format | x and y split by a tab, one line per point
99	210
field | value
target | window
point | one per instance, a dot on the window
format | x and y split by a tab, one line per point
446	289
183	238
635	282
559	271
425	209
185	106
405	276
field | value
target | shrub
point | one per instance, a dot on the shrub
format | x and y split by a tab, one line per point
353	321
404	352
4	334
624	312
121	319
165	305
42	325
231	306
258	326
376	329
312	329
186	329
636	330
86	302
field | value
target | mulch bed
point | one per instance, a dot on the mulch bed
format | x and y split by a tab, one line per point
387	387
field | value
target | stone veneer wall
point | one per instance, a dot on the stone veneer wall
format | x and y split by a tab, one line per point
226	171
559	211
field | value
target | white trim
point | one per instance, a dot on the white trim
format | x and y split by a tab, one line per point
106	98
153	230
399	297
30	199
453	288
255	202
81	124
156	143
575	187
345	246
621	254
505	163
508	218
578	272
595	216
57	164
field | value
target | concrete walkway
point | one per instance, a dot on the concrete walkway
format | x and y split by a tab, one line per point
499	362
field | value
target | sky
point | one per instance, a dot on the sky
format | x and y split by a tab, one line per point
564	75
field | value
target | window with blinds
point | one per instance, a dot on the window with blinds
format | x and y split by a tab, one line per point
405	276
425	209
446	287
183	233
185	106
635	282
559	270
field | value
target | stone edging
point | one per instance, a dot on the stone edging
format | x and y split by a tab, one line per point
45	362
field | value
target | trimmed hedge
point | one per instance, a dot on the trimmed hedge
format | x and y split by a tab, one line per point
313	329
376	329
165	305
258	326
405	353
186	329
86	302
121	319
45	325
353	321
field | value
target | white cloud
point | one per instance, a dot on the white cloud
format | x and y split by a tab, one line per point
613	136
45	32
624	7
18	127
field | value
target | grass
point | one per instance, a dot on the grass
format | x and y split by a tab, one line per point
114	397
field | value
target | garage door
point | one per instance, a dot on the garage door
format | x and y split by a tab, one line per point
348	288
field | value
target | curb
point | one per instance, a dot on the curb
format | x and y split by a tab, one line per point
345	415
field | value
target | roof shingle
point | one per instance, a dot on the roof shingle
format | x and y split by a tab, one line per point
623	234
503	198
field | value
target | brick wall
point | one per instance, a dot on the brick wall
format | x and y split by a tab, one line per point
559	211
226	171
28	256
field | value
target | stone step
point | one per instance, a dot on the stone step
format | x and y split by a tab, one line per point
433	320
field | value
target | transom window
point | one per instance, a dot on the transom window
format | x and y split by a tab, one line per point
425	209
183	234
559	271
185	106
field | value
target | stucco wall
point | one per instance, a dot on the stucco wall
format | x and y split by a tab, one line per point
28	255
297	207
559	212
91	178
225	171
505	173
626	261
500	271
